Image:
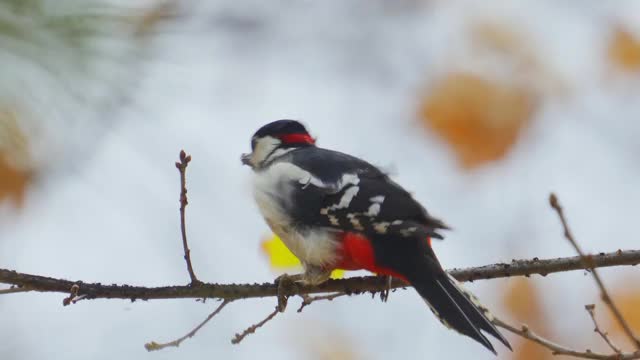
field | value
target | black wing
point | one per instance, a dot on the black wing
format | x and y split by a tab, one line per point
373	204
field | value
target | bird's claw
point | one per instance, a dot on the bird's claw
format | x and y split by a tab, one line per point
285	282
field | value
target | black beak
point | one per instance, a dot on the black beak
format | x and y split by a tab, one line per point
246	159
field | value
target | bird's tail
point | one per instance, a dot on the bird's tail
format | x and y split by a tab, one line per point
456	307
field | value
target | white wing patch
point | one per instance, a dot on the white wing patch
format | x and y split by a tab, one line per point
374	209
381	227
348	179
346	198
409	231
377	199
355	222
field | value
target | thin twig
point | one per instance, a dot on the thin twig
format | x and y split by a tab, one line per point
252	329
557	349
354	285
603	334
14	290
154	346
308	300
588	262
73	296
182	168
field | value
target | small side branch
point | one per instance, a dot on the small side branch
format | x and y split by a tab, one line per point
13	290
308	300
557	349
603	334
587	261
252	329
154	346
182	168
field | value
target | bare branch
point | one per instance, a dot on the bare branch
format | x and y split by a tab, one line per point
354	285
13	290
557	349
252	329
182	168
603	334
308	300
154	346
588	263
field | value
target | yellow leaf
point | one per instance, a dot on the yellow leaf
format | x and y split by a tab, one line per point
281	258
337	274
624	50
279	255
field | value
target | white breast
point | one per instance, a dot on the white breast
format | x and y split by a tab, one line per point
272	187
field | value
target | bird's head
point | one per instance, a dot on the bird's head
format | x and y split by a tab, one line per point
275	139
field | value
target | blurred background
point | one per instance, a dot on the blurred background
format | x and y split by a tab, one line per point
481	109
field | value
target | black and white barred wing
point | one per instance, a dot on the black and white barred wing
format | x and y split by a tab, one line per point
358	197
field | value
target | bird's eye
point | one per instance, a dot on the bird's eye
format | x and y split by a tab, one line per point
253	143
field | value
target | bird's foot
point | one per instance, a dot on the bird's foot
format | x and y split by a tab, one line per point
285	283
384	294
312	276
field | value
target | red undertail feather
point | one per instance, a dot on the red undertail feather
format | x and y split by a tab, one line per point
356	253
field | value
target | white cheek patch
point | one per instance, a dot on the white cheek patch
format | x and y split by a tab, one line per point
263	149
278	153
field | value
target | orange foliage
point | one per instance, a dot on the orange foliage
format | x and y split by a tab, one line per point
522	300
481	119
624	50
13	151
13	182
628	301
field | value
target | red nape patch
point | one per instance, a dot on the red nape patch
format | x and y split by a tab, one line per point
297	139
356	253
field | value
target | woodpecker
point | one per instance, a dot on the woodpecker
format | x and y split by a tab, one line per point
336	211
